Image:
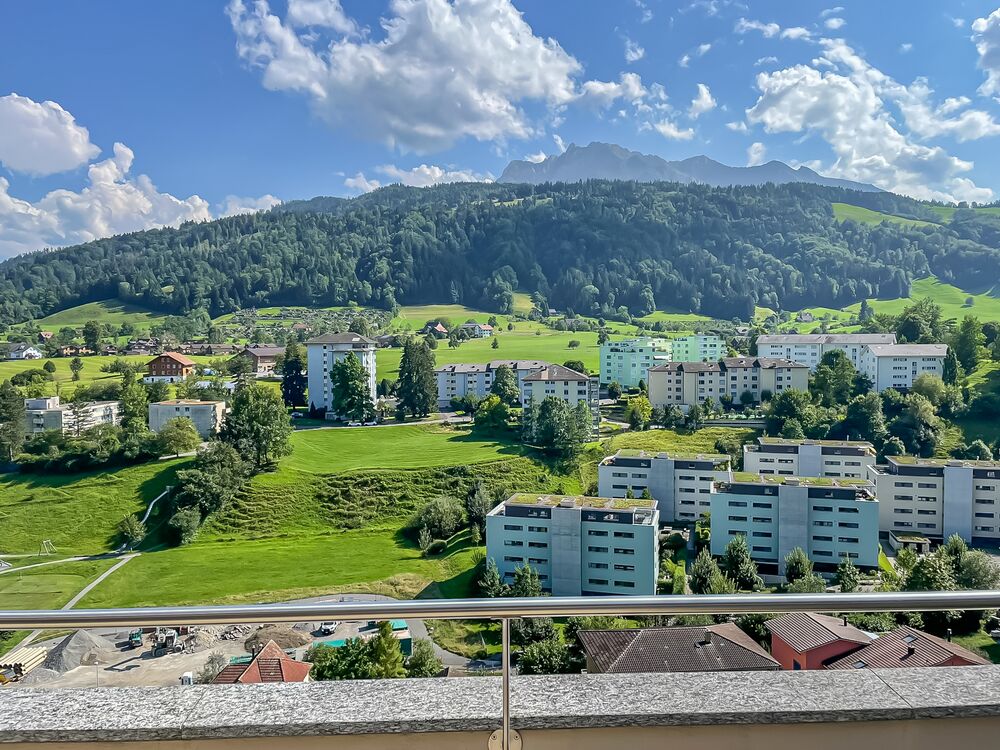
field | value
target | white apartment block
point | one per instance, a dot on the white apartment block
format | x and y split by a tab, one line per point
578	545
322	352
679	484
939	497
809	348
626	362
828	518
48	413
685	384
476	379
842	459
207	416
568	385
697	348
898	365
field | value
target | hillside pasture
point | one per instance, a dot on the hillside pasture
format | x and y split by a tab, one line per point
845	211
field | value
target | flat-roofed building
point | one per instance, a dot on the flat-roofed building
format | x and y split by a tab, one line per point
898	365
938	497
626	362
699	347
579	545
679	484
828	518
207	416
809	458
322	352
49	413
809	348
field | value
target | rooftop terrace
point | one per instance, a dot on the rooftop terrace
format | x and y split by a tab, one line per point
580	501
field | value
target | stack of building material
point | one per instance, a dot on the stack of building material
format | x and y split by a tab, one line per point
22	660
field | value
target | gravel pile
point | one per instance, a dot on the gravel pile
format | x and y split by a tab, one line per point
82	647
38	676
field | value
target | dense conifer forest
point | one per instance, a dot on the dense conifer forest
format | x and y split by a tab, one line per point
592	247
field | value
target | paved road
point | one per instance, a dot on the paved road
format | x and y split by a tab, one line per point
82	593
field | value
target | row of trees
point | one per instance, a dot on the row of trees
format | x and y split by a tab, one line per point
378	658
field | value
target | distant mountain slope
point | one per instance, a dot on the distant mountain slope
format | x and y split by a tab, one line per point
606	161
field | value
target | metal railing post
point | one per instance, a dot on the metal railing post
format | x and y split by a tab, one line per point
506	738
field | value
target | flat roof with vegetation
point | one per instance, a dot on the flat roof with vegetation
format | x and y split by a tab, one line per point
940	462
637	453
580	501
766	440
749	477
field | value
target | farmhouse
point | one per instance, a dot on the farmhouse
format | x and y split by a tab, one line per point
263	358
24	351
169	367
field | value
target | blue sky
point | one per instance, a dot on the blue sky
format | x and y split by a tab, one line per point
228	106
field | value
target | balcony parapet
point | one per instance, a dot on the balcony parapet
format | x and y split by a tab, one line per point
473	705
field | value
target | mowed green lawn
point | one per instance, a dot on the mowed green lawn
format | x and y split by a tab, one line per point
110	311
842	211
521	343
337	449
77	512
48	587
271	569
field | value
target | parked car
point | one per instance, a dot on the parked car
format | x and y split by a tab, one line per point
354	424
327	628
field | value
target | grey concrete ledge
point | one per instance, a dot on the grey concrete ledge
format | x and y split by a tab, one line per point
473	704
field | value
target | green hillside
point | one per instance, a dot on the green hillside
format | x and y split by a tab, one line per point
843	211
107	311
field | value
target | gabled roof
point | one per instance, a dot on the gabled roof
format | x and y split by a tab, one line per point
177	357
804	631
827	338
555	372
716	648
341	338
263	351
271	664
893	650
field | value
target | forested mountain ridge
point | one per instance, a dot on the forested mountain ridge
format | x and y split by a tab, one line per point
594	247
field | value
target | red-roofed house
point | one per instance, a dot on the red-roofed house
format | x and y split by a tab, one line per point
271	664
169	367
908	647
806	640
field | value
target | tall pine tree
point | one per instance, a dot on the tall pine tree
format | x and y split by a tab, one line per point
416	389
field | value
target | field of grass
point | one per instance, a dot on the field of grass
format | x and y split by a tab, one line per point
946	212
843	211
329	451
78	512
980	643
663	316
49	587
521	343
110	311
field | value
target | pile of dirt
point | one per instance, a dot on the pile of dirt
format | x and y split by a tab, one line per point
284	636
200	640
82	647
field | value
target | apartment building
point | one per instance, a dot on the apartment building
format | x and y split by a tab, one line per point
685	384
566	384
626	362
936	497
848	459
579	545
697	348
206	415
898	365
48	413
679	484
828	518
322	352
809	348
476	379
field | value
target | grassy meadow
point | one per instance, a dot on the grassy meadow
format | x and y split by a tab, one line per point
844	211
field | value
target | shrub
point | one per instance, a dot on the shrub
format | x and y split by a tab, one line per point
185	523
442	516
436	547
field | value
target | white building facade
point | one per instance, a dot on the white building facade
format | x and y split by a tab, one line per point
48	413
898	365
841	459
476	379
829	519
626	362
685	384
207	416
322	352
809	348
939	497
680	485
699	347
579	545
565	384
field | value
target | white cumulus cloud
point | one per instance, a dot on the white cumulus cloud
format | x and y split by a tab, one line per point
438	72
796	32
633	52
756	154
672	131
111	203
536	158
737	127
41	138
744	26
986	35
684	61
323	13
702	103
235	204
848	103
834	23
424	175
905	47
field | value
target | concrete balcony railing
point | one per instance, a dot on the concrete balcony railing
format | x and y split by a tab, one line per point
814	710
